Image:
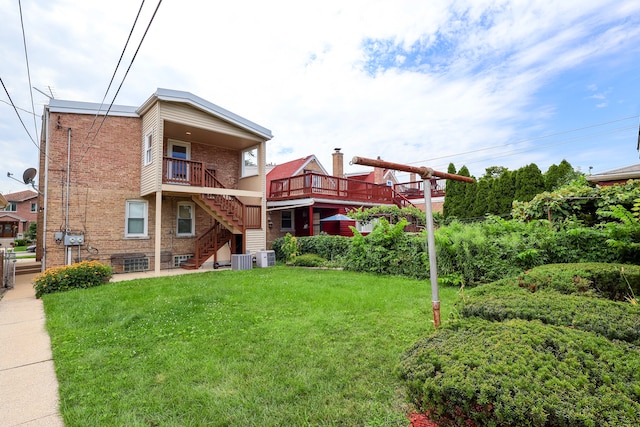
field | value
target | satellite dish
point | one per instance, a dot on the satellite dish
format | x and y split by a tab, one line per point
28	175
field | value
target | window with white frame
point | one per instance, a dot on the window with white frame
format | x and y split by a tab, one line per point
250	162
286	222
136	218
148	148
34	207
186	223
11	207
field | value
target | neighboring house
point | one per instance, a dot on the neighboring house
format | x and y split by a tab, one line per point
616	176
20	211
176	181
300	195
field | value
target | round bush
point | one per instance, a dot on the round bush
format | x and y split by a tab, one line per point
523	373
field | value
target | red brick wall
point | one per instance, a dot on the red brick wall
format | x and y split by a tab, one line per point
105	171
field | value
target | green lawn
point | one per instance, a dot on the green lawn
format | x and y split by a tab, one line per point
265	347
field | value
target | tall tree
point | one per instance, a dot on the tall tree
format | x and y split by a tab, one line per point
467	195
482	196
505	191
452	195
529	182
559	175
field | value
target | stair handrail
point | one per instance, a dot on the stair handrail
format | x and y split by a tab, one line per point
231	207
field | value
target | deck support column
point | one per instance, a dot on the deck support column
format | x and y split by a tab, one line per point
158	233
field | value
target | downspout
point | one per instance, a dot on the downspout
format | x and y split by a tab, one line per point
46	192
66	215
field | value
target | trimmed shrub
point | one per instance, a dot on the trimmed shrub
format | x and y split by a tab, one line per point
329	247
611	319
612	281
308	260
523	373
85	274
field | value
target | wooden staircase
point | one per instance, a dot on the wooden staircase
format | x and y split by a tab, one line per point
227	209
207	245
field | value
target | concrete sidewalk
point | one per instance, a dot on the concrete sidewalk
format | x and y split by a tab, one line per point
28	383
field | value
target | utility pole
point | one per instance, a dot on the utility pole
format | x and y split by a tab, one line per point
426	174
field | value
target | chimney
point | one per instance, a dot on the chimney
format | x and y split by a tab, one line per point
338	163
378	174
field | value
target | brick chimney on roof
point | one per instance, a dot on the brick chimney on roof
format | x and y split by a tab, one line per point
378	174
338	163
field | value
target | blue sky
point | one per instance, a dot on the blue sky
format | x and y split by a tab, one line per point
478	83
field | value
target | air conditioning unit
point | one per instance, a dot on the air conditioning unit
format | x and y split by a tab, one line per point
266	259
241	262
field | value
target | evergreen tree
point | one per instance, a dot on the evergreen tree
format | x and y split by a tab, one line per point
452	195
529	183
504	192
482	194
559	175
467	195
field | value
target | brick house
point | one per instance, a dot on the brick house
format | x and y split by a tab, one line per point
301	194
20	211
176	181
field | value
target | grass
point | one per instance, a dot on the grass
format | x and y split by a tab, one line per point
265	347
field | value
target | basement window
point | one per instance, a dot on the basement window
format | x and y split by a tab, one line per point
178	259
133	265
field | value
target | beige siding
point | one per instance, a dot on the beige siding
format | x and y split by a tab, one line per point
256	240
151	175
183	114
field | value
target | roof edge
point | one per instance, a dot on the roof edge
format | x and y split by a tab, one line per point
79	107
188	98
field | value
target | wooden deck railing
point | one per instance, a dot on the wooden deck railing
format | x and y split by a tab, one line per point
415	189
188	172
329	187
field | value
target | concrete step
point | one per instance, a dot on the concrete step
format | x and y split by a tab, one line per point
28	267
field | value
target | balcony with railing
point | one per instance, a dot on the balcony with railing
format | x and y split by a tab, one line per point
188	172
329	187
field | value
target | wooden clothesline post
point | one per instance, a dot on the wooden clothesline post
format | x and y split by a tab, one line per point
426	174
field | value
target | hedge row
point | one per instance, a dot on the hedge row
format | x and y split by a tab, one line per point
332	248
611	319
613	281
523	373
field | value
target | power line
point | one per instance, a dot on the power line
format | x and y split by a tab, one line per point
18	114
26	56
526	140
123	79
115	71
21	109
551	144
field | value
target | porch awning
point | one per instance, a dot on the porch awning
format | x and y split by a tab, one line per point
282	205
